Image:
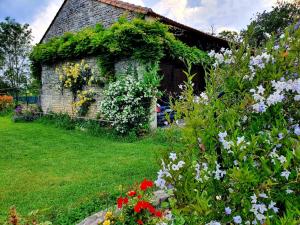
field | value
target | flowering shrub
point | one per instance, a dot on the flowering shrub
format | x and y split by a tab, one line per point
137	208
6	102
76	76
26	113
85	99
241	155
127	101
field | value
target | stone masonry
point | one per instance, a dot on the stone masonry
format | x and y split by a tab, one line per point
54	99
74	16
58	100
77	14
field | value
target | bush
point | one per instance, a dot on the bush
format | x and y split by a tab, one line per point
6	103
241	155
142	40
127	101
26	113
60	120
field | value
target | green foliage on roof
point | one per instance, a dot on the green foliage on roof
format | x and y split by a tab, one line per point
147	41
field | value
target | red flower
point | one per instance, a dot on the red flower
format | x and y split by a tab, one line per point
122	201
139	196
140	222
146	184
158	214
131	193
146	205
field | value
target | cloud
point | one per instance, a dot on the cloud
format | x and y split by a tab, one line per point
135	2
222	14
42	20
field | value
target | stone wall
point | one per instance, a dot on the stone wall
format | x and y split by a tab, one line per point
77	14
55	100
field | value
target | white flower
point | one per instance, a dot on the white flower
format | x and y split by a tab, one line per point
219	173
161	183
175	167
173	156
197	168
213	223
237	219
272	206
297	130
260	107
181	164
285	174
260	90
297	98
282	159
276	47
227	211
240	140
222	136
253	198
289	191
263	195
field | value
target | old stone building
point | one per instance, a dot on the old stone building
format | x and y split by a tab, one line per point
77	14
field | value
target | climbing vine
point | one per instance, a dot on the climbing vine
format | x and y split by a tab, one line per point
75	77
145	41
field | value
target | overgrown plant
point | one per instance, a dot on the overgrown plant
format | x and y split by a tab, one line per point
144	40
127	101
85	100
76	77
240	163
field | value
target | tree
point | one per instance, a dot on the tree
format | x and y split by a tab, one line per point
231	36
15	47
282	15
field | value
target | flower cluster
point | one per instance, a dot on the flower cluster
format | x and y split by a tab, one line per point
241	149
283	89
26	113
136	207
84	100
127	103
5	102
222	57
75	76
174	165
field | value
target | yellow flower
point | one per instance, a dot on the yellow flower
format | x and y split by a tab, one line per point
106	222
108	215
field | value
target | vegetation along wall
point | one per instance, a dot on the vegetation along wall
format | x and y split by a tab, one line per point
107	52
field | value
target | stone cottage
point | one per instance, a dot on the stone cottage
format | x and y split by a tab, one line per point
74	15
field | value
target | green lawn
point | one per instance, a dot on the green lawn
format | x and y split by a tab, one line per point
43	167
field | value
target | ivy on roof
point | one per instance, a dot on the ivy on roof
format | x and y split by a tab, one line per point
147	41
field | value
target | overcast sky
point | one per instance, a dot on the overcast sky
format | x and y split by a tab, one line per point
200	14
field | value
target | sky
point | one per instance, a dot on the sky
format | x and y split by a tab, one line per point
199	14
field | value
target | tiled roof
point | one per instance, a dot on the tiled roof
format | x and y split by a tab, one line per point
127	6
149	12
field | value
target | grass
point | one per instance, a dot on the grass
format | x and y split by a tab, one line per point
62	172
